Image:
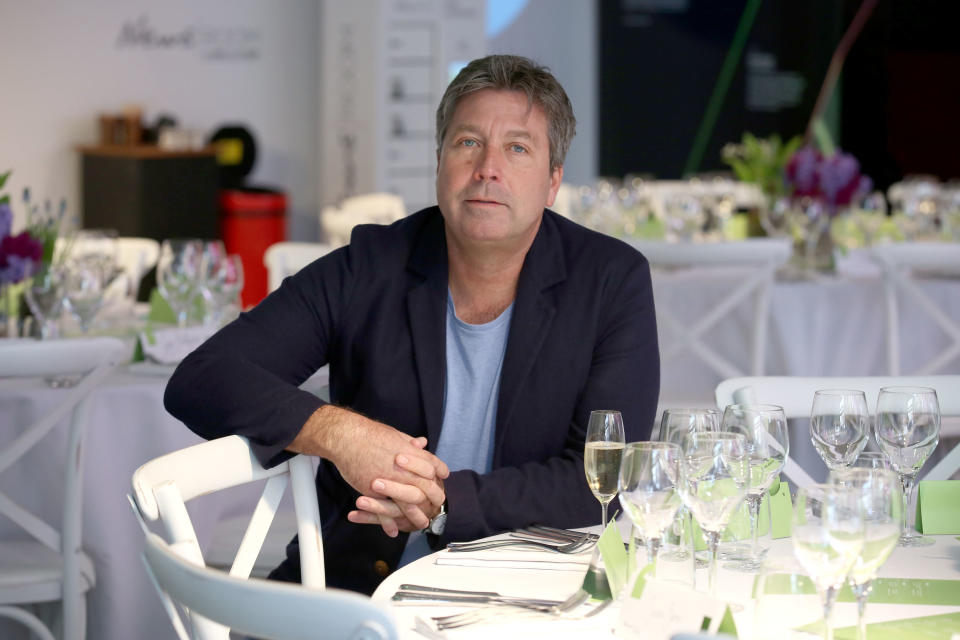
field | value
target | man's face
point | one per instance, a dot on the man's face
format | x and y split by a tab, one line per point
493	174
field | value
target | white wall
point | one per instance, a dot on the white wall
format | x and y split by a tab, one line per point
246	61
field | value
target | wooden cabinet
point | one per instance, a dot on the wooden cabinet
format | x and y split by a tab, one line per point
145	191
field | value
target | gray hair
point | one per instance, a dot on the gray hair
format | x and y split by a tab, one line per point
514	73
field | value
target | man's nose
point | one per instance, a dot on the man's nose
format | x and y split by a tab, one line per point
488	165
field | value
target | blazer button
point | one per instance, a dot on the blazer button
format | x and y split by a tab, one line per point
381	568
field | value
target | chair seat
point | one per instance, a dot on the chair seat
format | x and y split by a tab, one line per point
31	572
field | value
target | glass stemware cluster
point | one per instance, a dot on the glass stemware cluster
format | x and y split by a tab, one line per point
189	269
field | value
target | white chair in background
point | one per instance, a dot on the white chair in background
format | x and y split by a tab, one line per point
261	608
377	208
752	264
284	259
50	565
135	256
795	395
162	486
903	267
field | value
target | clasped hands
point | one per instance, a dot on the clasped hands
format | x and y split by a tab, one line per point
401	482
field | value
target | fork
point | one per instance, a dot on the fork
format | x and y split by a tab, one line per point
466	618
574	546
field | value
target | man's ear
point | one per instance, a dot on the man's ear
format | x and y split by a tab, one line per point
556	177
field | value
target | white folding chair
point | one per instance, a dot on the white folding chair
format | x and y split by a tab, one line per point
751	265
50	565
162	486
795	395
261	608
904	265
376	208
284	259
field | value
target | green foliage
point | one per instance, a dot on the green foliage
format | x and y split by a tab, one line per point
4	199
761	160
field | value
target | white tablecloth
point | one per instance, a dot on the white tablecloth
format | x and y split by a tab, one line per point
937	562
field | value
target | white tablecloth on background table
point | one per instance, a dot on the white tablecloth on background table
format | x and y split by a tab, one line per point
941	561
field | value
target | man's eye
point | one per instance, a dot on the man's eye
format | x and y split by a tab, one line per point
518	148
469	143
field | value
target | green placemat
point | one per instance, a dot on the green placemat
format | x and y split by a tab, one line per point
885	590
939	627
938	506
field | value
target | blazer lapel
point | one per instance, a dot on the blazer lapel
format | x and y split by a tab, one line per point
427	313
533	313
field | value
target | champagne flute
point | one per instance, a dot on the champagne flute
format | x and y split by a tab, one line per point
768	444
827	539
714	473
908	430
649	474
178	271
882	504
839	425
601	456
675	424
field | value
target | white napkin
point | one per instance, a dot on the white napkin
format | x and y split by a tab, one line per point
516	558
170	346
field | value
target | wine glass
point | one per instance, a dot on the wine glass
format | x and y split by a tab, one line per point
839	425
44	295
221	279
908	430
828	537
883	518
675	424
178	271
649	474
714	473
764	426
601	456
84	290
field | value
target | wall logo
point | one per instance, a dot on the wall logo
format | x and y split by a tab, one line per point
211	43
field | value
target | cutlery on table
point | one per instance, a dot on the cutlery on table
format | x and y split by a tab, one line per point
572	546
438	594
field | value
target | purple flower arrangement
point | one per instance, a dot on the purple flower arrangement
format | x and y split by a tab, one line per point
21	255
834	180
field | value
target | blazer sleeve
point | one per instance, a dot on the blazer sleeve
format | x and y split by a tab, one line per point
624	374
244	380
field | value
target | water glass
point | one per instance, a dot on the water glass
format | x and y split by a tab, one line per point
84	290
602	452
828	535
220	281
908	430
871	460
676	424
44	295
768	443
178	274
839	425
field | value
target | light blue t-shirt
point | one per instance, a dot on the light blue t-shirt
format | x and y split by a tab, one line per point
474	360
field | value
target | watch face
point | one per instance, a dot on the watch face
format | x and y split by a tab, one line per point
438	524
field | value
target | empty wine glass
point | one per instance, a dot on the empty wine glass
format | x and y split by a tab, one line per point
602	452
649	474
827	539
768	444
178	272
871	460
882	503
84	290
839	425
221	279
676	424
714	473
44	295
908	430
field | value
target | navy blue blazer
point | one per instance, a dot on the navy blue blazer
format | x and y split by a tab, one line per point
582	337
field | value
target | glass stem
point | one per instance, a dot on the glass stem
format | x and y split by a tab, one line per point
713	543
753	506
909	484
862	591
829	596
653	547
603	518
182	322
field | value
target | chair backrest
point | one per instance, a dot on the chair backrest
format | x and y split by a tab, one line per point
93	359
284	259
795	395
162	486
750	265
377	208
262	608
904	267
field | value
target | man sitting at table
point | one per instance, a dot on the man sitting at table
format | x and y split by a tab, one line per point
467	345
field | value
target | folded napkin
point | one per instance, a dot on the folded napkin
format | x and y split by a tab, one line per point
516	558
937	510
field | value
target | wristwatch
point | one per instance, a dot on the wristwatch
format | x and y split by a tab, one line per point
438	522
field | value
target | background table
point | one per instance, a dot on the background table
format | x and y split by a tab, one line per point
941	561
